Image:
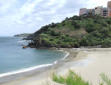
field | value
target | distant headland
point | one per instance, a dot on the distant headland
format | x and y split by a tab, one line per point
23	35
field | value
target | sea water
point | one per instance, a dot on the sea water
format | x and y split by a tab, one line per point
13	57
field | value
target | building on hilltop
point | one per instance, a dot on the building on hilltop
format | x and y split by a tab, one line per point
91	12
99	10
102	11
105	12
109	8
83	11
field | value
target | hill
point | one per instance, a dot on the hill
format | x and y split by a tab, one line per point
75	32
22	35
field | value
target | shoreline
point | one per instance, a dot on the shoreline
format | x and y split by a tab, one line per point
88	63
31	70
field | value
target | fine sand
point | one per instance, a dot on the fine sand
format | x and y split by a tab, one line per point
88	63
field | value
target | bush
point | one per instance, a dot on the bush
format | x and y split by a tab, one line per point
106	42
105	79
90	28
74	79
70	79
75	25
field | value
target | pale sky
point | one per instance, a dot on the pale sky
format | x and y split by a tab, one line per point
27	16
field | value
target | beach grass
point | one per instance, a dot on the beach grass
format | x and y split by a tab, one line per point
71	79
105	79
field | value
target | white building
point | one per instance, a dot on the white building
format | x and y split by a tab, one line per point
99	10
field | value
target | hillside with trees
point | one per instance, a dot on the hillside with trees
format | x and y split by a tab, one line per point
74	32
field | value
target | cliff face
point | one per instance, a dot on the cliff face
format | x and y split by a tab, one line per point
74	32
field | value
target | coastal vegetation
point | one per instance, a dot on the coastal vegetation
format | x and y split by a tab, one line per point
74	79
105	79
70	79
74	32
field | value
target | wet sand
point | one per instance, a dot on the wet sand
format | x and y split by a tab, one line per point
89	63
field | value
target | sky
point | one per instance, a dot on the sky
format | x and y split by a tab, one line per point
27	16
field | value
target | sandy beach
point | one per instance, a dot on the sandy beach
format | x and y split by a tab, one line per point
88	63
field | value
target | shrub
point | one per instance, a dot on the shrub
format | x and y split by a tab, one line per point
74	79
105	79
70	79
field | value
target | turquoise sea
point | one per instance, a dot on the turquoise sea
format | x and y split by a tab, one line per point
13	57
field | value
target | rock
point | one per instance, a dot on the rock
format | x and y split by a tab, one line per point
25	47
